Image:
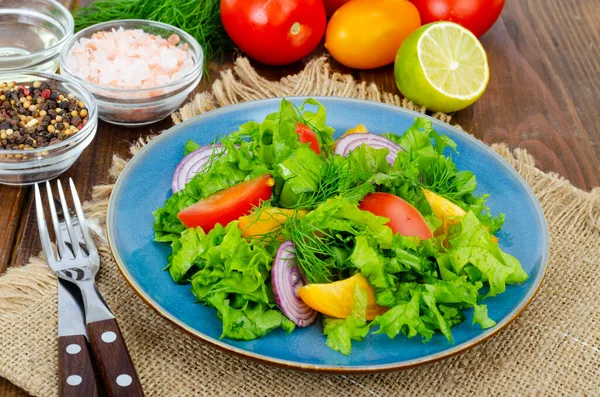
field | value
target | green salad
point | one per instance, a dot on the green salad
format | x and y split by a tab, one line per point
278	225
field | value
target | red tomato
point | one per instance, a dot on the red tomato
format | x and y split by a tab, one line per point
476	15
229	204
275	32
308	136
404	218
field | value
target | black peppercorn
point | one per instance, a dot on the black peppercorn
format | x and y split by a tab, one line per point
29	117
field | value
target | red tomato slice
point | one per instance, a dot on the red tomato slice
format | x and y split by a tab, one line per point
229	204
404	218
308	136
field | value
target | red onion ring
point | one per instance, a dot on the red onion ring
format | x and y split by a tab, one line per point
286	279
350	142
192	164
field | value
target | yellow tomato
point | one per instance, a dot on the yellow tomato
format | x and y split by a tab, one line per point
366	34
335	299
267	221
359	129
447	211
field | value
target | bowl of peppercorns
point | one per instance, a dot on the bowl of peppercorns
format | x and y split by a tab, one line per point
46	121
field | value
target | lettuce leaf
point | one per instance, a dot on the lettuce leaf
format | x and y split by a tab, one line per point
230	264
471	246
301	172
341	332
366	258
232	275
187	253
366	161
404	318
423	308
252	321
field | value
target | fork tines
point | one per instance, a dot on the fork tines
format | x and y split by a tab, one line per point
66	226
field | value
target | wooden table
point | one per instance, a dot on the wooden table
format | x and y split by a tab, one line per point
543	96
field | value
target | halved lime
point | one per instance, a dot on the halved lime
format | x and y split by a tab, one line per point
442	66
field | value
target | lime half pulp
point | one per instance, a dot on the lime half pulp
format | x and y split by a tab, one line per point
442	66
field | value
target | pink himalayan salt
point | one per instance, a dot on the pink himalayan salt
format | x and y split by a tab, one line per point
129	59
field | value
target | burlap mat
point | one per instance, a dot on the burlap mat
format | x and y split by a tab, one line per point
553	348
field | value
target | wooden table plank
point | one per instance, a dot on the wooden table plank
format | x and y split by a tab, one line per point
7	389
544	86
11	206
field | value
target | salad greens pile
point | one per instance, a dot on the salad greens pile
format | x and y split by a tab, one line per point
426	284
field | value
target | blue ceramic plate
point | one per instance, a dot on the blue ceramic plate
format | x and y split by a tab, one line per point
145	184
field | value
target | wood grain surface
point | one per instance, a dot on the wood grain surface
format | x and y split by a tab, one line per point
543	96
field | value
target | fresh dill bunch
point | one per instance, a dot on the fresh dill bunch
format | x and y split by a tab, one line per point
443	178
336	179
312	246
199	18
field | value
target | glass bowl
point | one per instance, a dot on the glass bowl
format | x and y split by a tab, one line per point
32	33
137	107
24	167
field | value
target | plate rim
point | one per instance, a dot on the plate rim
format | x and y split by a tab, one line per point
334	369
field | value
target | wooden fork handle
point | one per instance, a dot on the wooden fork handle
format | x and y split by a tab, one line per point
112	358
75	369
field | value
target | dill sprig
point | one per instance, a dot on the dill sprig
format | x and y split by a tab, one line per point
441	178
337	180
270	238
199	18
312	246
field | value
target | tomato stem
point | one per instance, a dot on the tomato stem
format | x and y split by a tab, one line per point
295	28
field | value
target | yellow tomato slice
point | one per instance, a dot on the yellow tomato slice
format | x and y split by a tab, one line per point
267	221
447	211
335	299
359	129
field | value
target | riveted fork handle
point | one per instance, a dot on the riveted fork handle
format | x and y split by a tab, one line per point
112	358
75	368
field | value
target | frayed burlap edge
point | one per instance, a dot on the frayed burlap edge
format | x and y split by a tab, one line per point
21	288
242	83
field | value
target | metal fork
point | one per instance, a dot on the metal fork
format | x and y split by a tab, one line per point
79	265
